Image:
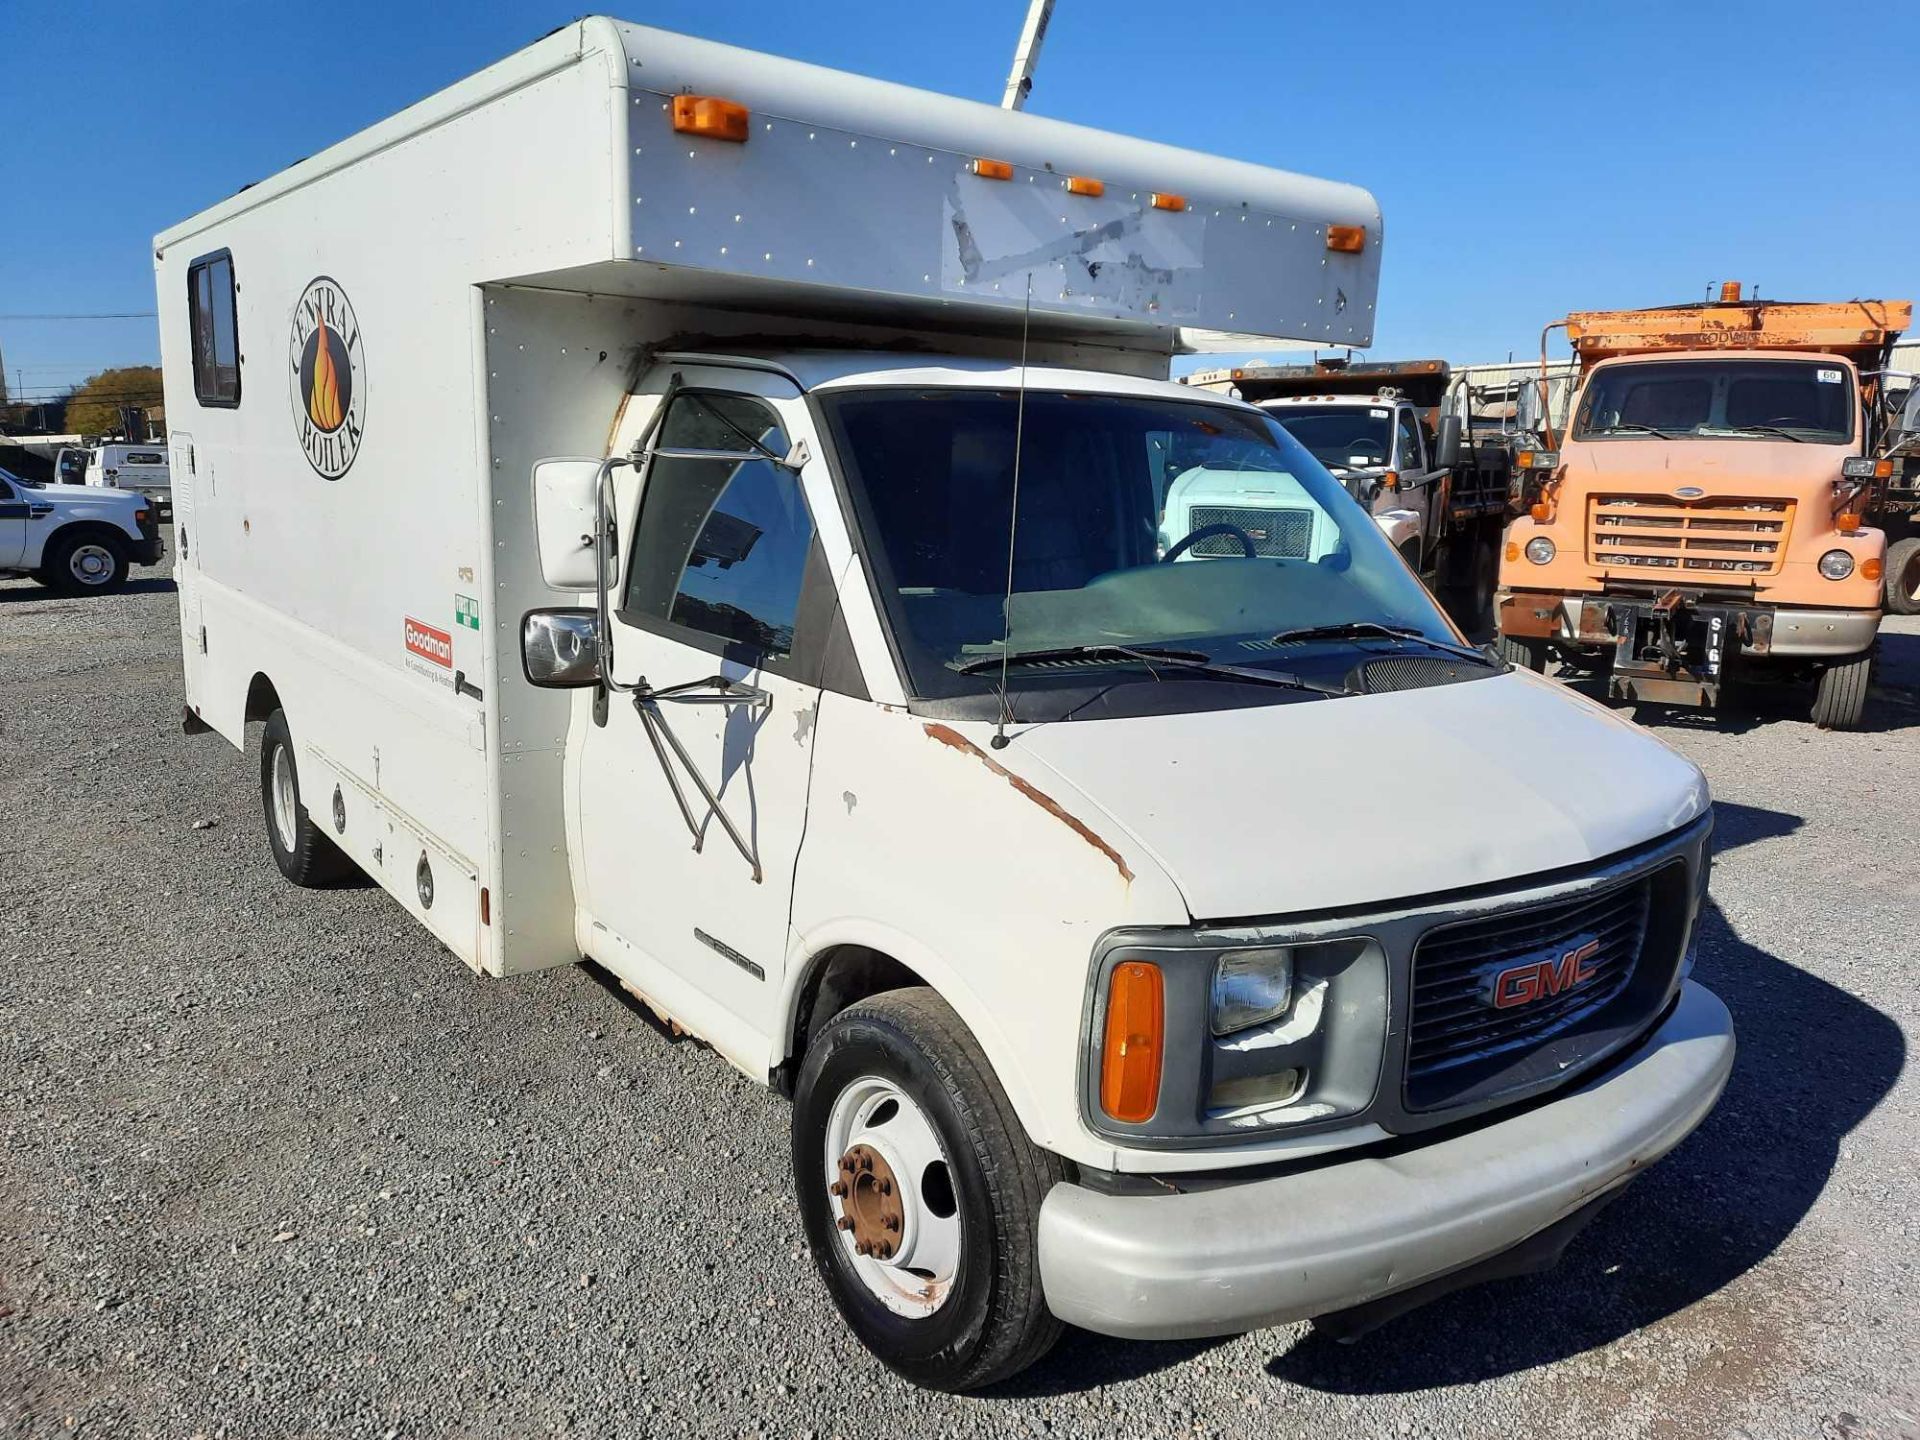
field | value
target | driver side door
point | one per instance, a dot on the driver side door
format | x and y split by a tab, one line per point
692	796
1418	479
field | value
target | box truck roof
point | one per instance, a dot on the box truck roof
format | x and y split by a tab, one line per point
745	180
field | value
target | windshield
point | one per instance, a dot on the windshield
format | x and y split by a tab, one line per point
1804	400
1142	522
1341	438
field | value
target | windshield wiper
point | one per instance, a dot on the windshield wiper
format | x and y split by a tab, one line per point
1769	430
1373	629
1634	427
1081	652
1186	662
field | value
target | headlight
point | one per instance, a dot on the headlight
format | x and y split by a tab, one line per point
1836	564
1251	987
1540	550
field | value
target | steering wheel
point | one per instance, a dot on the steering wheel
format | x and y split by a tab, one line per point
1207	532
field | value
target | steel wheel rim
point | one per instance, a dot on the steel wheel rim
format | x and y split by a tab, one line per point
91	564
874	1115
284	796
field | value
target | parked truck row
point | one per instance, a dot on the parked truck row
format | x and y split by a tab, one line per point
725	519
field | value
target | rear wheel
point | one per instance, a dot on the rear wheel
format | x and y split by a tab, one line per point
1903	576
93	562
1842	694
1524	652
920	1193
304	854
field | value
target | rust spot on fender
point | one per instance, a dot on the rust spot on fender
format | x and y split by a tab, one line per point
948	736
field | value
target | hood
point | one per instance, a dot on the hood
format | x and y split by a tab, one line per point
1317	805
102	493
1770	469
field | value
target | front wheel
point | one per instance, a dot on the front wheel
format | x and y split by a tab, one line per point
1842	695
1524	653
1903	576
920	1193
90	563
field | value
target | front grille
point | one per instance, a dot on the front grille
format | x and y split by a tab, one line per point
1716	535
1457	1034
1276	534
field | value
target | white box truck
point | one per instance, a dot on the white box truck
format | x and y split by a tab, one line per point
697	512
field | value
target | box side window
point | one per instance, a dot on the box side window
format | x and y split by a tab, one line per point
211	314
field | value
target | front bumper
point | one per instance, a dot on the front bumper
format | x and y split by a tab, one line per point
1270	1251
1790	632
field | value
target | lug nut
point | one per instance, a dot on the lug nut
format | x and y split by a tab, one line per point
884	1250
838	1187
846	1163
866	1164
893	1222
886	1187
845	1222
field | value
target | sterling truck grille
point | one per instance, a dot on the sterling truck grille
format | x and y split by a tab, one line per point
1485	988
1277	534
1660	536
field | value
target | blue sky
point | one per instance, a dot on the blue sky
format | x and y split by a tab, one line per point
1528	159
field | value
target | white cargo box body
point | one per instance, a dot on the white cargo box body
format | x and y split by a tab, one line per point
493	267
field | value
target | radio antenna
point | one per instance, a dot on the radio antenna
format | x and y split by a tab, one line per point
999	741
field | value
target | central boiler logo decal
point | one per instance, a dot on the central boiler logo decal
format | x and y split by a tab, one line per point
329	377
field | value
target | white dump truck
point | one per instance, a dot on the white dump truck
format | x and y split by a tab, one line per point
698	512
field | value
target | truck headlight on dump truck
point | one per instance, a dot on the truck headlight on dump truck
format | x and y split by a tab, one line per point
1250	987
1836	564
1540	550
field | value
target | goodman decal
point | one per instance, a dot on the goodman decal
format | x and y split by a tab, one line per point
328	377
429	648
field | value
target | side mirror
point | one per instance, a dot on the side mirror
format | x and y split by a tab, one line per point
1529	407
1446	450
564	492
1910	412
560	648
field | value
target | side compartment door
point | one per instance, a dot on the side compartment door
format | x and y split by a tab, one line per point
692	797
186	558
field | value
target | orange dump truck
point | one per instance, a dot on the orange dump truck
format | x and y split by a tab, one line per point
1703	520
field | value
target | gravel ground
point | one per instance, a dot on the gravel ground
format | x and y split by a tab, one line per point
274	1164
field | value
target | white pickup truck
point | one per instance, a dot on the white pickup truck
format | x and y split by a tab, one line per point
697	511
76	539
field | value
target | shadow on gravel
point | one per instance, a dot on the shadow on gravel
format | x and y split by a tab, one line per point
21	594
1813	1062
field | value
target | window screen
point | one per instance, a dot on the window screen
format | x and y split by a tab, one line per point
721	545
216	336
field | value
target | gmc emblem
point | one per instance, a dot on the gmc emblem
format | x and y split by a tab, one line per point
1540	979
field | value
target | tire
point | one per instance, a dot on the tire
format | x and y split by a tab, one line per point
1524	653
1842	694
303	853
90	562
1903	576
989	1318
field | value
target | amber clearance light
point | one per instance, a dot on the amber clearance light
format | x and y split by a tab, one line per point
1347	239
711	116
1135	1037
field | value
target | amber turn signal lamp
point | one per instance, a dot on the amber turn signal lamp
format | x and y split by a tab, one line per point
1135	1037
1871	569
710	116
1164	201
992	169
1847	521
1085	185
1541	511
1347	239
1513	549
1390	480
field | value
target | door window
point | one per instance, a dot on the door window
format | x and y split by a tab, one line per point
721	545
1409	442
